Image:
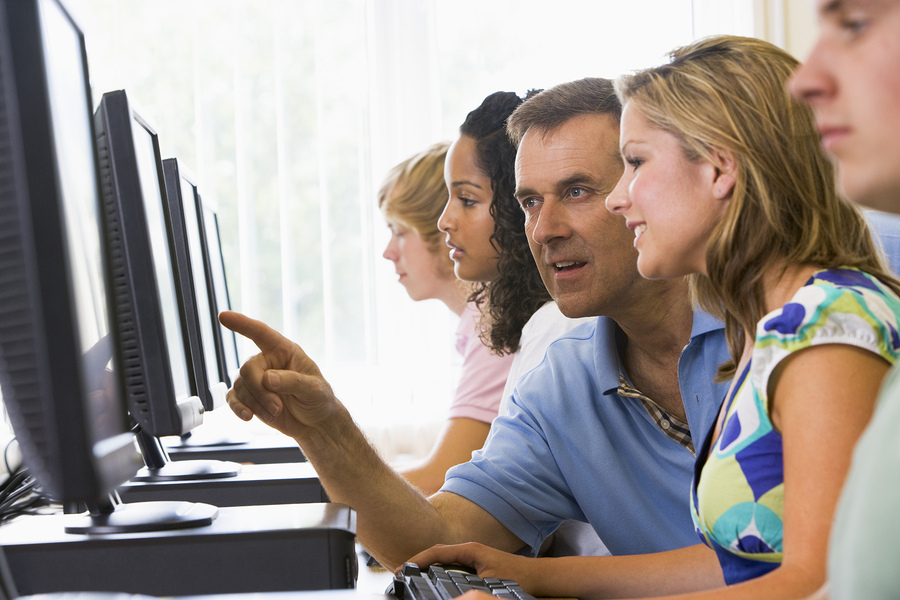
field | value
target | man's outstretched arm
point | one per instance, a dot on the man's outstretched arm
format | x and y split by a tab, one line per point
284	388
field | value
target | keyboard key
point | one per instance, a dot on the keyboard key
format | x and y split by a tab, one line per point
422	588
478	588
448	586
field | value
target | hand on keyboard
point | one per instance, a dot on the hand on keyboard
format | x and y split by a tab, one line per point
444	583
483	560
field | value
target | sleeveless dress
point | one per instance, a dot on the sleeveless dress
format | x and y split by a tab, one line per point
737	496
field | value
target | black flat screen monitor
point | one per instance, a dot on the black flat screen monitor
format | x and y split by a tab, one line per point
230	357
161	385
166	379
61	369
193	270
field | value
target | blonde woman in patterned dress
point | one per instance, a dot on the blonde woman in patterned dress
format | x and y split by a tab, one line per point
725	181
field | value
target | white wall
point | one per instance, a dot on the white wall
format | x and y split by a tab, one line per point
789	24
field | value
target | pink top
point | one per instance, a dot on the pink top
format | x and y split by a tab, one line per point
483	374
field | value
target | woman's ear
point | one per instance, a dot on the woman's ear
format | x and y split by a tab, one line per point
726	171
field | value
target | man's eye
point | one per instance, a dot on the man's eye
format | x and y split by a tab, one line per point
528	203
853	25
577	192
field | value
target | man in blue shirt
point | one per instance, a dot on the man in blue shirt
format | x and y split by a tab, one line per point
603	430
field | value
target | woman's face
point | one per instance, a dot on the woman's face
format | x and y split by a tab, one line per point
466	219
671	203
422	271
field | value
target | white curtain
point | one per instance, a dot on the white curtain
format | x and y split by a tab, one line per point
292	111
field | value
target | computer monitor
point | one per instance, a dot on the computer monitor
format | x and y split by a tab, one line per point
220	290
166	382
190	249
61	368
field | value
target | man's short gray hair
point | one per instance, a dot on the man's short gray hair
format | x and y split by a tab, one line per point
554	106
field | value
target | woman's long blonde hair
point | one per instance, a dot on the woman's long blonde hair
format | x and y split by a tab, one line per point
728	93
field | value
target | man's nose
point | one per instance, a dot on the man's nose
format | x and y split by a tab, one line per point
812	80
551	223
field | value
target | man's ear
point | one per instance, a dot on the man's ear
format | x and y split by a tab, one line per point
726	172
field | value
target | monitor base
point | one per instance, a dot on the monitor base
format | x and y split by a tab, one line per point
189	470
145	516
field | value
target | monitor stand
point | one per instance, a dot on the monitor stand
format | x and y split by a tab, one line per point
160	468
199	436
112	516
214	441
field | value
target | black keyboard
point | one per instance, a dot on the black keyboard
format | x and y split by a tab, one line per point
443	583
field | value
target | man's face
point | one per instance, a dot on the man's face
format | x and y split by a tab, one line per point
583	252
852	81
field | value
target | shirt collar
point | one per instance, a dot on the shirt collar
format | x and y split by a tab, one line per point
609	363
704	323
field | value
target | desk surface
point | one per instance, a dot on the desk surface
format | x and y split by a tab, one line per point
371	580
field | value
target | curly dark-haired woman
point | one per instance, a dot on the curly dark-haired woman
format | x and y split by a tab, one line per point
485	230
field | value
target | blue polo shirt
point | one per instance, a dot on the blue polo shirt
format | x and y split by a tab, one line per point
571	448
885	227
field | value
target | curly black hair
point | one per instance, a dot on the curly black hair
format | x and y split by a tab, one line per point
517	292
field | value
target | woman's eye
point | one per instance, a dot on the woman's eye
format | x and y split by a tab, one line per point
634	162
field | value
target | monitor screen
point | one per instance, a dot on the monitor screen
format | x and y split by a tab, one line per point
162	257
77	172
220	286
61	375
198	268
77	169
190	258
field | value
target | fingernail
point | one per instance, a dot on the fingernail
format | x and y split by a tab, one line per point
246	415
273	408
274	380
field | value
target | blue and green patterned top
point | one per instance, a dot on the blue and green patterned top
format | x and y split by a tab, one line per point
737	498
